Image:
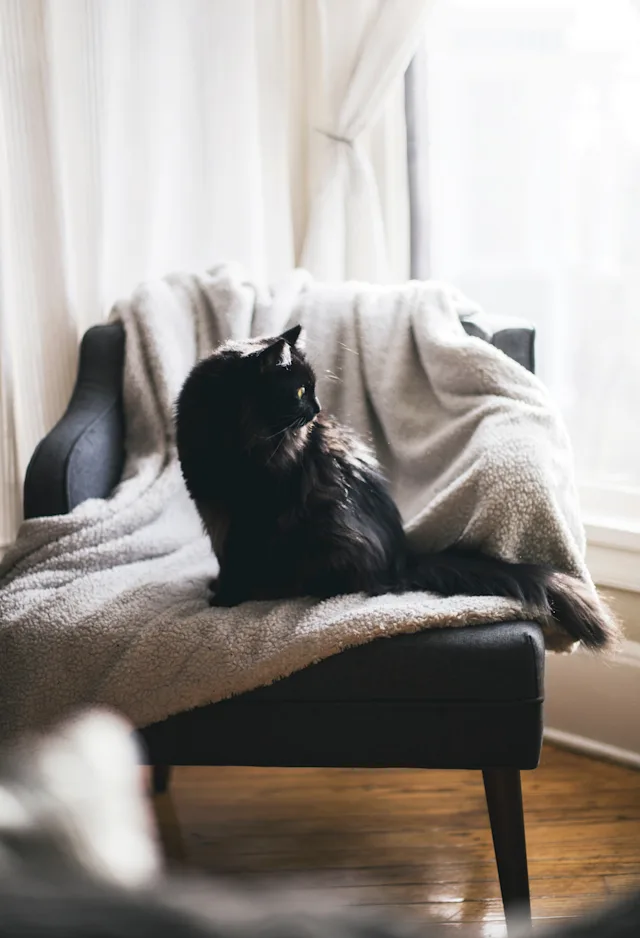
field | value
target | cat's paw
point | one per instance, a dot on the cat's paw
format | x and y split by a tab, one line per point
212	585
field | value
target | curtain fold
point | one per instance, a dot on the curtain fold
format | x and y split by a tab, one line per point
143	136
381	39
37	336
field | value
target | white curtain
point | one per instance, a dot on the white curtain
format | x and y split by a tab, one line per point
141	136
366	49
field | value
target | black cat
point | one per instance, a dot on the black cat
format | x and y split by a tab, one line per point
296	505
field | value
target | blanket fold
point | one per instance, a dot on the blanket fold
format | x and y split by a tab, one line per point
108	604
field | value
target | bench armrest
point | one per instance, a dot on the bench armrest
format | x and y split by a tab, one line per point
83	455
514	337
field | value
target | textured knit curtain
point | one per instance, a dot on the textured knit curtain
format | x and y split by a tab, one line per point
143	136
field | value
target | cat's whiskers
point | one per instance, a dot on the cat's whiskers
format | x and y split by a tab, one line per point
265	439
297	424
295	444
258	439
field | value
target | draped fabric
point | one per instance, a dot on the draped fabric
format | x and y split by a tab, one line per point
143	136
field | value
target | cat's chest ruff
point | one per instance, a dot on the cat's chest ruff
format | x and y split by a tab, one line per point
288	453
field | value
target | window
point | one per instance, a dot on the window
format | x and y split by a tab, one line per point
532	112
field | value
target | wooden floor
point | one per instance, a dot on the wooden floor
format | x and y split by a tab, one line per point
415	842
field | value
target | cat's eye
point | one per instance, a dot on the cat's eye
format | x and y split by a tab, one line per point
300	392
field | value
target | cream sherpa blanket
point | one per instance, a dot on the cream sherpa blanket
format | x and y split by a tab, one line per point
109	604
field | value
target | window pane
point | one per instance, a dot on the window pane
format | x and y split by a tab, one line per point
534	168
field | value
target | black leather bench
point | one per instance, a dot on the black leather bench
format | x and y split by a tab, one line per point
450	698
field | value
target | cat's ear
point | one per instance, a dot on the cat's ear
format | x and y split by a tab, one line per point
277	355
294	336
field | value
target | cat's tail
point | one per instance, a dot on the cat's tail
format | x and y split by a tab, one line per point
566	600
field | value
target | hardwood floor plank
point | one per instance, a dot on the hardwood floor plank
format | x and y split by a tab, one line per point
622	882
412	840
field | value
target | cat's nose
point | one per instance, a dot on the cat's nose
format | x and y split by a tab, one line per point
316	406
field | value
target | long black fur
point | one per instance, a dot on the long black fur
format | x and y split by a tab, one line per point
296	505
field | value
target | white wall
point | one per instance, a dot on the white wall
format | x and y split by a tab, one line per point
592	703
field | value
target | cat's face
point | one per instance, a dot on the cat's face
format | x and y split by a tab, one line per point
273	383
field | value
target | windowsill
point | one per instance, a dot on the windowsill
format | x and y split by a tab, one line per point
611	514
613	553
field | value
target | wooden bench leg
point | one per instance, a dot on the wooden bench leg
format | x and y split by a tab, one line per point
504	801
160	776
